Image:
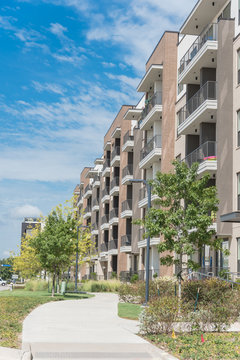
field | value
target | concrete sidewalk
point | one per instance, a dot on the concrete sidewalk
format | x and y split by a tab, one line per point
85	329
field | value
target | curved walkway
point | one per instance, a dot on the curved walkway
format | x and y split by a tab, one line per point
85	329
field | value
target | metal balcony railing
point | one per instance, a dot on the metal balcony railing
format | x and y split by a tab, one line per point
88	209
126	240
128	170
96	178
87	188
210	34
207	92
142	193
156	99
115	152
105	191
104	247
105	219
155	142
106	164
127	205
206	151
95	202
114	213
114	182
127	137
113	244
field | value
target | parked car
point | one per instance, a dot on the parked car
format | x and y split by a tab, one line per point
3	282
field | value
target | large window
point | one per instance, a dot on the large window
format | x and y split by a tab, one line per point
238	65
238	127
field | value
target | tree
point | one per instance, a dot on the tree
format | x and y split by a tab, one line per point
27	263
56	244
6	272
183	216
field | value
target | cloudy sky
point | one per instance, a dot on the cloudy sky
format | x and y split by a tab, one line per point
66	67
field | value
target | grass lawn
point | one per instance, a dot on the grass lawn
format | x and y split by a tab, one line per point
129	311
222	346
16	305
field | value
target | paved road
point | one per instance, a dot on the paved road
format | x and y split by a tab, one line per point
85	329
2	288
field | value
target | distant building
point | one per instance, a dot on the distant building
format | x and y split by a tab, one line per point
28	225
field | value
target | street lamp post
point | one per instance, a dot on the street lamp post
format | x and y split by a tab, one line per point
76	266
149	189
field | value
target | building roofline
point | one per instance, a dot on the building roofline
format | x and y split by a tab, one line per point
167	31
116	117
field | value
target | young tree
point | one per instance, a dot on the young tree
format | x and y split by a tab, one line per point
27	263
183	216
6	272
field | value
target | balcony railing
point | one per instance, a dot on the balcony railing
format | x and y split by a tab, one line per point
128	170
206	151
127	137
105	219
150	103
87	188
114	213
105	191
126	240
113	244
127	205
207	92
114	182
155	142
115	152
95	202
104	247
106	164
210	34
96	178
142	193
88	209
95	226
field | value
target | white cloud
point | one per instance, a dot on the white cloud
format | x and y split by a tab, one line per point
54	88
108	64
58	29
26	210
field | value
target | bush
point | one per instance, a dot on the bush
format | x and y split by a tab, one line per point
159	316
36	285
134	278
101	286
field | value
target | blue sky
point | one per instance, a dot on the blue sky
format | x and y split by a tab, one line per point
66	67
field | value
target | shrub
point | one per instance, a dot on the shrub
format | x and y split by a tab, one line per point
36	285
114	275
159	316
101	286
134	278
93	276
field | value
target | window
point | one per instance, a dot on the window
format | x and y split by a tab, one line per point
180	86
224	262
238	65
238	12
238	191
226	14
238	127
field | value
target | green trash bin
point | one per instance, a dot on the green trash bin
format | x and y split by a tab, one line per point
63	287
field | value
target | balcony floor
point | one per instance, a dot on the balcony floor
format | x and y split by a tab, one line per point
153	156
152	116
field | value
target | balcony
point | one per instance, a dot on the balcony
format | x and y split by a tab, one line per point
105	194
143	198
152	111
202	53
96	181
114	186
126	209
95	229
87	191
142	242
104	251
106	168
87	212
151	152
114	216
80	200
95	204
128	142
206	156
105	222
202	107
127	174
116	156
133	113
113	247
126	243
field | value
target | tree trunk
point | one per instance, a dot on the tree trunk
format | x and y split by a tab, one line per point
58	288
53	284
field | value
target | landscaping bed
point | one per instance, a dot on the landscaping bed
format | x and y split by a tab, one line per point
16	305
222	346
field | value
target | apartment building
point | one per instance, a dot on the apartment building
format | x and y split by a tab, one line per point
189	110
